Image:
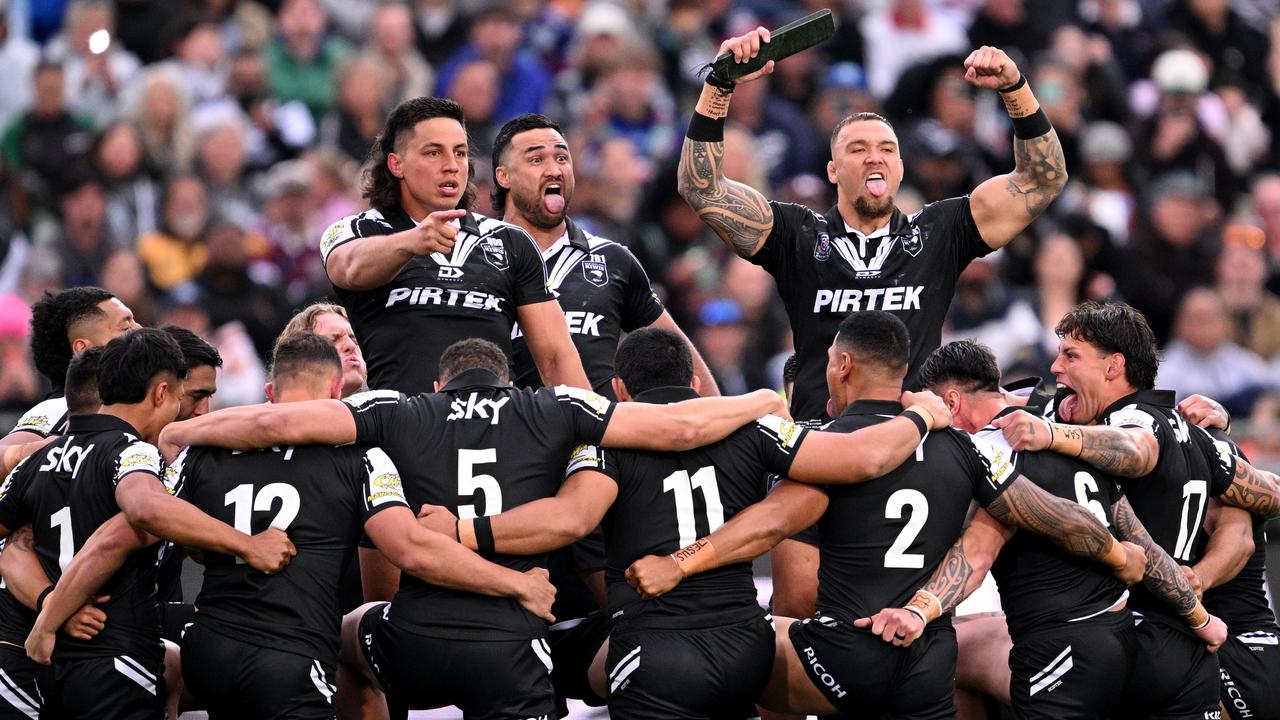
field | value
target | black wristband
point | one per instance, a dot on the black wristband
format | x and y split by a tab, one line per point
1022	80
705	129
1031	126
41	598
484	535
921	425
717	83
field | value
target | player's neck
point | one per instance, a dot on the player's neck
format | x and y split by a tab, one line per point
862	223
984	410
873	389
137	415
1113	392
544	237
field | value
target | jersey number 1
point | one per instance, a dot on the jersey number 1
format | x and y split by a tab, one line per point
682	484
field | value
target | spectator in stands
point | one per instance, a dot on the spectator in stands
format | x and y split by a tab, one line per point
1234	47
1107	195
229	293
85	242
478	89
220	161
124	276
201	61
46	142
275	130
176	252
495	35
131	194
363	94
302	61
391	38
722	339
1203	359
1266	210
1242	277
332	185
19	57
629	100
902	33
98	67
784	138
289	226
19	383
1010	26
160	113
441	29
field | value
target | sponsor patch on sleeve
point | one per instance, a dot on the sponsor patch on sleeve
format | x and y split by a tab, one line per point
369	398
384	480
338	233
585	457
172	477
999	458
782	431
138	457
597	404
1133	416
1226	456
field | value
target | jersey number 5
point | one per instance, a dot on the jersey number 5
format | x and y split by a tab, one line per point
469	483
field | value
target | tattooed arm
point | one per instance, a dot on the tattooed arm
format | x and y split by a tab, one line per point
956	577
1068	524
1127	452
1257	491
23	575
1165	580
1229	549
1005	205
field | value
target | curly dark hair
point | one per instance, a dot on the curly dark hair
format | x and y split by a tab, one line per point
1116	328
377	184
51	317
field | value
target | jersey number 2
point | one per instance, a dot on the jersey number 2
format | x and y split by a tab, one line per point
682	484
897	556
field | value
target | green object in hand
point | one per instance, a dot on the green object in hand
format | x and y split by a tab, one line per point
784	42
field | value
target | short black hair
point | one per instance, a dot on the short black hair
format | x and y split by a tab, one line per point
378	185
195	351
513	127
790	369
653	357
473	354
51	319
82	382
875	337
967	363
857	117
303	352
132	361
1116	328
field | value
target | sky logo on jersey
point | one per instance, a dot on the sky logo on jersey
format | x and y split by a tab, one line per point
475	406
596	271
66	458
850	300
451	297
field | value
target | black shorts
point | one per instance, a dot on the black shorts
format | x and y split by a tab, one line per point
1249	672
487	680
864	676
236	679
705	673
808	536
573	647
125	687
21	697
1073	672
1174	676
175	618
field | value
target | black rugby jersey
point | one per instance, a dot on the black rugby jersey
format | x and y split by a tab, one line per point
65	492
478	447
16	619
320	496
883	538
1241	602
436	300
45	418
1171	499
604	293
825	271
1040	584
667	500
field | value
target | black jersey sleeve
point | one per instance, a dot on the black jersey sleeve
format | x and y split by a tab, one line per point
1221	456
586	413
14	510
382	417
777	253
992	465
380	485
178	474
778	440
640	305
966	242
527	268
137	457
349	228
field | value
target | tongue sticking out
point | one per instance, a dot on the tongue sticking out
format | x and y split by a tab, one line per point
553	203
877	187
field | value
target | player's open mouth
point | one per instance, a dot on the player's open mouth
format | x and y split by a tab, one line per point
553	198
877	185
1067	406
448	189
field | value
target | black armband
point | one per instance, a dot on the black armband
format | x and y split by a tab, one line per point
717	83
41	598
1031	126
919	421
1022	80
705	129
484	535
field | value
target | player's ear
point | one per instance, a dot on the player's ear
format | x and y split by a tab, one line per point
696	384
952	399
335	388
435	385
620	389
79	345
831	171
500	175
271	391
394	165
1115	366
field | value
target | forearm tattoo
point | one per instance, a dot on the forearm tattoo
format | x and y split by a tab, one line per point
1111	450
740	215
1068	524
1163	578
949	580
1254	490
1039	173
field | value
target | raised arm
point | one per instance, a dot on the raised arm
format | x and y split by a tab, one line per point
1069	525
688	424
553	350
790	508
1166	581
364	263
1230	546
739	214
838	458
1127	452
439	560
1005	205
250	427
956	577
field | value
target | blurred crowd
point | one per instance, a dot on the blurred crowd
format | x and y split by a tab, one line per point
186	154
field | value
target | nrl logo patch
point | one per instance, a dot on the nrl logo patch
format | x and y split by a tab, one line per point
914	243
596	271
822	250
495	253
